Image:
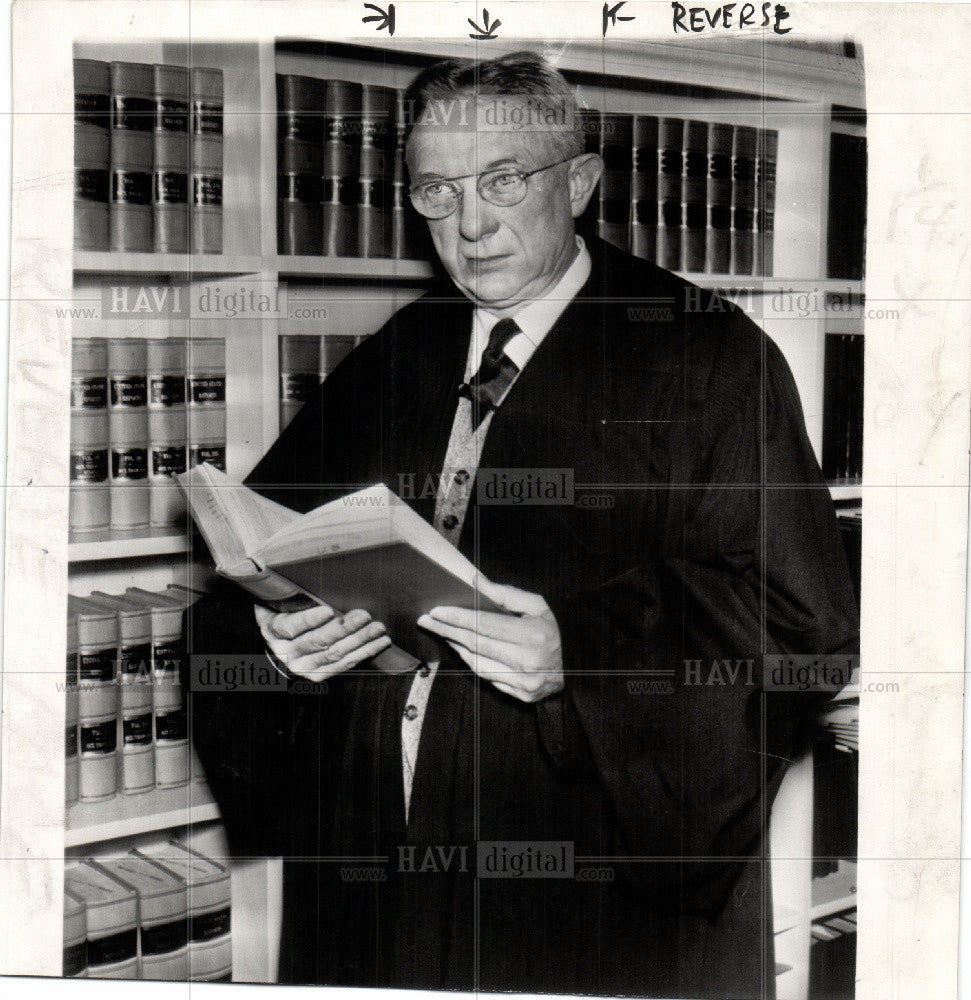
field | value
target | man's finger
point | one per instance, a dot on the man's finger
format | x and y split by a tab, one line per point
330	633
322	669
288	625
519	602
489	623
497	674
477	644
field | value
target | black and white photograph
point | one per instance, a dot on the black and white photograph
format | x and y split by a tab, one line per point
449	452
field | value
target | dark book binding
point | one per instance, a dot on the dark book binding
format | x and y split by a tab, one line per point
744	145
131	155
206	212
765	171
643	187
342	146
92	118
170	177
694	195
669	176
613	220
300	100
299	373
379	135
846	236
719	199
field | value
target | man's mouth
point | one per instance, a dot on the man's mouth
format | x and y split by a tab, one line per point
486	261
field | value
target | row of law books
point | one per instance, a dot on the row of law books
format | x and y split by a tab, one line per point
843	406
693	196
142	410
305	361
341	171
163	915
148	157
125	720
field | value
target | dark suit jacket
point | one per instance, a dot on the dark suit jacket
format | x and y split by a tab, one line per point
717	542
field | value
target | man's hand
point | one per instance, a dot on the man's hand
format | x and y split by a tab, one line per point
318	643
518	652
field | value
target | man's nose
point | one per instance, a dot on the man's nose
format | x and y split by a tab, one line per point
476	216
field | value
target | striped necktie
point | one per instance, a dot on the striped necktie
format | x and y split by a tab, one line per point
496	372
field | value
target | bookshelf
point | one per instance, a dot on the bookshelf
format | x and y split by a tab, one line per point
730	82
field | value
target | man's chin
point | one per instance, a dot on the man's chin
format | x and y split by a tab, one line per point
492	294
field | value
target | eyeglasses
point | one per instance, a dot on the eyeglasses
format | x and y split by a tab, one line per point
505	186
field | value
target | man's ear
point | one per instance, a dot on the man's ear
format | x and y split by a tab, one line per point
584	173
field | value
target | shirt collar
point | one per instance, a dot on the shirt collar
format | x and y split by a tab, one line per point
536	317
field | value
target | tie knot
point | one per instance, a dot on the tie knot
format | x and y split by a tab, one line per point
499	336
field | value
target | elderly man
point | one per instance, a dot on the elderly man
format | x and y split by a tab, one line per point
437	824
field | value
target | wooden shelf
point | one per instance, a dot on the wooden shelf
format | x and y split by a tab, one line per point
95	545
352	267
192	265
130	815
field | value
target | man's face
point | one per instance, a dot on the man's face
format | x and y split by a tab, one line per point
498	255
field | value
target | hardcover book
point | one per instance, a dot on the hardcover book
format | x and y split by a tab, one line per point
367	550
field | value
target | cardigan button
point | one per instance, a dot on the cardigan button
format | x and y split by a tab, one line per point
411	713
449	521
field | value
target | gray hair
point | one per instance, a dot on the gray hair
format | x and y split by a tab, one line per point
518	73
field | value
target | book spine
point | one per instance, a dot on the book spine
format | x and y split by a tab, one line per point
300	100
75	960
206	406
132	119
333	349
613	220
170	184
71	715
89	504
378	142
128	431
694	195
846	236
399	192
92	118
299	367
98	736
854	463
135	735
112	948
210	939
171	744
718	253
669	172
765	171
643	193
167	427
831	389
341	167
206	228
744	143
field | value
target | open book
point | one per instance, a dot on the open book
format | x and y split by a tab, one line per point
366	550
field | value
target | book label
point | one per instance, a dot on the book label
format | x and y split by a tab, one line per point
91	184
171	187
71	741
207	189
99	737
340	191
171	115
72	669
168	459
213	454
131	187
167	657
135	661
114	948
304	188
129	390
133	113
297	387
166	390
300	127
170	725
207	926
97	664
137	730
92	109
207	118
89	392
163	938
89	466
129	463
207	389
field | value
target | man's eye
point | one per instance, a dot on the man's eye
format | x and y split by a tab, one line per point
435	189
499	181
